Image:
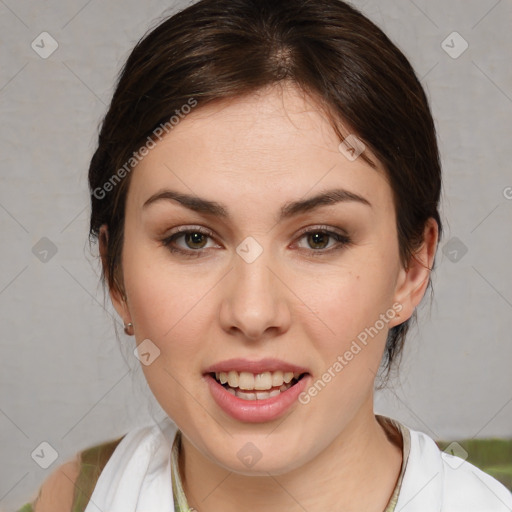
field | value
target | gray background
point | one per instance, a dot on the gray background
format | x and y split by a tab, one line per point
66	381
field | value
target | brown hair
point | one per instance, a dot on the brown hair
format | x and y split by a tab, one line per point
218	49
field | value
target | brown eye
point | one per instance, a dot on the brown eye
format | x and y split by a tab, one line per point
195	240
318	240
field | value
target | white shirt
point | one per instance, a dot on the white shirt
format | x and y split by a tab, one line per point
137	477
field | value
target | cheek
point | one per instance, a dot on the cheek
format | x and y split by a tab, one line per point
174	310
170	305
349	336
348	301
347	329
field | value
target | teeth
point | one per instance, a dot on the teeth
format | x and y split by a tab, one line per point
277	378
246	396
233	379
259	382
288	376
264	380
246	380
259	395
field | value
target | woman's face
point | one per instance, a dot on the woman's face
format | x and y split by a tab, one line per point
249	284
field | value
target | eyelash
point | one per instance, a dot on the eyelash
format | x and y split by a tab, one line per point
341	240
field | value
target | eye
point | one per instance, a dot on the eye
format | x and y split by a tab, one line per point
195	239
318	239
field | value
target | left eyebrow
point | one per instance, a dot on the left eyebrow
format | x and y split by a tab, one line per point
290	209
329	197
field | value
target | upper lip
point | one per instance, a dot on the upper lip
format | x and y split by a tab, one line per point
261	365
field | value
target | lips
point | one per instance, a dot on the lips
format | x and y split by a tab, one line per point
260	366
255	391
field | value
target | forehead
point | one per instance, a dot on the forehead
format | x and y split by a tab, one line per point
276	142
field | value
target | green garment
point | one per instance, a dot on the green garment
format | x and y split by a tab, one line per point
26	508
92	462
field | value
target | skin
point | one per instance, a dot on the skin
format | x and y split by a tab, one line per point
254	154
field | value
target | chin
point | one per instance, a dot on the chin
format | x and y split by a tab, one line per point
258	456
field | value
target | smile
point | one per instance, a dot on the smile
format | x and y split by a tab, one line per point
259	386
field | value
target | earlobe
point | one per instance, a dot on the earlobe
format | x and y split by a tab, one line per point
413	281
116	296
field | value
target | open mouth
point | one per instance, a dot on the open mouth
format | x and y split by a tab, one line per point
249	386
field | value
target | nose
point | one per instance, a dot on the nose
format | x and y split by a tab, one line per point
254	299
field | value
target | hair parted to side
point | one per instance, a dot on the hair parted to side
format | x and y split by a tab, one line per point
219	49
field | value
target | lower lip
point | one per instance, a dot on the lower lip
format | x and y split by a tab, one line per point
255	411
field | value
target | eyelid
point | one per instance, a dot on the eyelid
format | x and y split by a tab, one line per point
191	227
321	227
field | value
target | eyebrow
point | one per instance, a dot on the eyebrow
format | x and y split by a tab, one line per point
290	209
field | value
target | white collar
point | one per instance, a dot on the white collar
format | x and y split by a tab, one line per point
137	478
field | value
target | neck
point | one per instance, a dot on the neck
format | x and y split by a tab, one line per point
357	471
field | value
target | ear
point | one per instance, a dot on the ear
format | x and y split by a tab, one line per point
412	281
117	296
